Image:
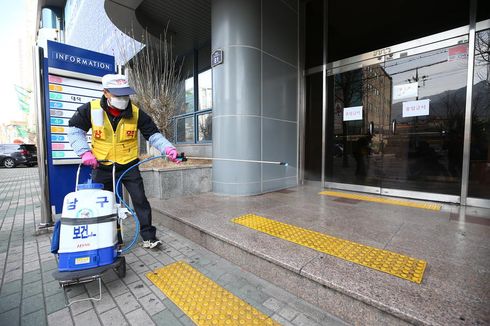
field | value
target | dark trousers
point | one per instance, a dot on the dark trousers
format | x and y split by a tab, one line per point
134	184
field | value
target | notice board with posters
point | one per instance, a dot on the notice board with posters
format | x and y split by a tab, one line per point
73	78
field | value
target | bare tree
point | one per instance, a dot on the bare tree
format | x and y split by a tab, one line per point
155	75
482	55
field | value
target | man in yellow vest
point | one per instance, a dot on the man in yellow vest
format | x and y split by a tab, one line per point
115	122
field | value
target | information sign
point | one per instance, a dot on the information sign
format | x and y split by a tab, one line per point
73	78
65	96
216	57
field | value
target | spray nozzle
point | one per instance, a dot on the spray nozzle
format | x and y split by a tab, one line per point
181	157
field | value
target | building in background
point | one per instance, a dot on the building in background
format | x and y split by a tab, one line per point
102	36
84	24
21	126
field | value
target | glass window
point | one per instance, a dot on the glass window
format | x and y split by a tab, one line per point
185	129
205	127
193	121
189	95
205	90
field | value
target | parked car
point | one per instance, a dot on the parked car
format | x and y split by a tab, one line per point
12	155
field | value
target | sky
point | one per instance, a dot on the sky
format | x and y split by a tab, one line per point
12	17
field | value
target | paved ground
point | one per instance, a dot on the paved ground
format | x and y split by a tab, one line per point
30	296
455	243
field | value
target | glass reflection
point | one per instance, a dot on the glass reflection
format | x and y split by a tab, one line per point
189	95
205	127
479	178
423	149
358	102
185	129
205	90
399	124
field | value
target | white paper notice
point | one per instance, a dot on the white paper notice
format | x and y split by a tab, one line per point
353	113
405	91
415	108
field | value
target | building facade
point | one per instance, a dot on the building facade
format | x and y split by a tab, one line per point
381	97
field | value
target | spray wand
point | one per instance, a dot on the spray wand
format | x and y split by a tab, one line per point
184	158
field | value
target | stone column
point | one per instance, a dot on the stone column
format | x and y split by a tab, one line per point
254	95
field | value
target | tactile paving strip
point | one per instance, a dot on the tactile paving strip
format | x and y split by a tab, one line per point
405	267
430	206
202	300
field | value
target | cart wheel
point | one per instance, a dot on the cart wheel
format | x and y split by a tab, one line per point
121	269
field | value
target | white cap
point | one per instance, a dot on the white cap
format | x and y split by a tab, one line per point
117	85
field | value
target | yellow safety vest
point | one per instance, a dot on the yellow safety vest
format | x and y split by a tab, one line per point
120	146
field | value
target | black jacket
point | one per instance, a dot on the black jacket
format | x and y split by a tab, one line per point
81	119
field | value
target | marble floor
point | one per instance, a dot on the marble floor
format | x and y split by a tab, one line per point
455	243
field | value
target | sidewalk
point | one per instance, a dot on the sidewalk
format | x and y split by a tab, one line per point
30	296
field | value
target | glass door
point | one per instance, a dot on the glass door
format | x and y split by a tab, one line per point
358	100
396	125
423	143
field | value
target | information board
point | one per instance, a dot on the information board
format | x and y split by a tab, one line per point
73	77
65	96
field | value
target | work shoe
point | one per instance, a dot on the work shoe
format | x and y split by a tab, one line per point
151	243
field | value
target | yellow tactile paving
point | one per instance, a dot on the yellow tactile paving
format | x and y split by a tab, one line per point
434	207
405	267
202	300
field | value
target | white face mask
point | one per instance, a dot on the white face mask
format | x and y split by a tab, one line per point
119	102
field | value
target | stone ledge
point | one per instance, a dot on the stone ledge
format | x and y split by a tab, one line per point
165	183
177	168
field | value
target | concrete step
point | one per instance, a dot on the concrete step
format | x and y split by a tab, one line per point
342	302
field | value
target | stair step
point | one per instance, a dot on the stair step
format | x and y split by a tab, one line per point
344	303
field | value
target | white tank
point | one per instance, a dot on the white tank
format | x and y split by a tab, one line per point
88	235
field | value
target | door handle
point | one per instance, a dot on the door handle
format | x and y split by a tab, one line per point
393	126
371	128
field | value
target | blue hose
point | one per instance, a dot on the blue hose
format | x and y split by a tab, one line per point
136	221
